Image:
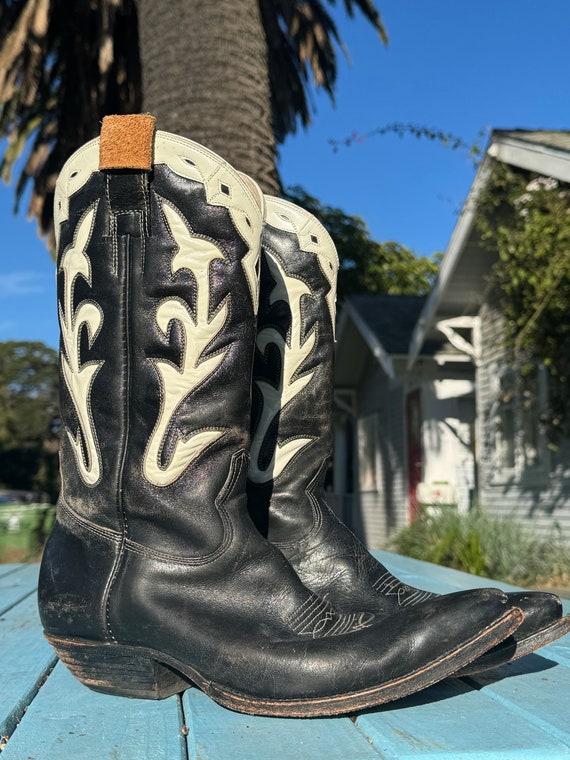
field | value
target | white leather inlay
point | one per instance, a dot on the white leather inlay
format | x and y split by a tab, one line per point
293	353
313	238
79	377
224	187
223	184
176	383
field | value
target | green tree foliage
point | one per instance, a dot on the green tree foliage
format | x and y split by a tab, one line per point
367	266
526	220
29	419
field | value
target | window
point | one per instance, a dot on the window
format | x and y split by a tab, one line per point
520	444
506	426
367	431
533	400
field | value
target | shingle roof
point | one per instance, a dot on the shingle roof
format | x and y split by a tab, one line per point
390	317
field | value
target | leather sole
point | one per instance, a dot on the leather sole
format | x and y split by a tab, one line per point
512	649
140	672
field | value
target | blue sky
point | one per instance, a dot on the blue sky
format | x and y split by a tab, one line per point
454	66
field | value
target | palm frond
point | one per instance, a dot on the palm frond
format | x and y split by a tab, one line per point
302	40
61	71
371	13
64	66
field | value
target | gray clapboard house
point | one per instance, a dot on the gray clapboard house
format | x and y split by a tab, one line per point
400	436
427	410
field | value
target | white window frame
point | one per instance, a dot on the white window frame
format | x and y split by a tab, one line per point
520	470
367	431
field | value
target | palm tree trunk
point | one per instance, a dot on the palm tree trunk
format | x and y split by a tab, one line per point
205	76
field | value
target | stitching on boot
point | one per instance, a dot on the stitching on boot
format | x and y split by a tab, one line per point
79	377
314	616
316	509
239	462
68	513
388	585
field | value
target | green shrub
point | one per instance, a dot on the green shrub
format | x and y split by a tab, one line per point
488	546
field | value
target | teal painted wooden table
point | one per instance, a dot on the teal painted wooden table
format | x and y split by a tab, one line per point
521	710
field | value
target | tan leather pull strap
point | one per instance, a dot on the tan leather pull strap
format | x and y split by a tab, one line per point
126	142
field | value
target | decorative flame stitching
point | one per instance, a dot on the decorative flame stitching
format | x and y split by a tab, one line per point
318	619
195	254
388	585
79	377
293	354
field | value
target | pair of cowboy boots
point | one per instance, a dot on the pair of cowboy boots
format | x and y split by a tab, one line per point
155	577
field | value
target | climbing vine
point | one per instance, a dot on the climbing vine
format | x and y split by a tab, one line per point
526	219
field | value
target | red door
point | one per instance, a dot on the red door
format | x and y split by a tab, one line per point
414	433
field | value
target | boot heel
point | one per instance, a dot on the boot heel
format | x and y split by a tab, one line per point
125	671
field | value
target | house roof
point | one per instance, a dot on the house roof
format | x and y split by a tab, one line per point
382	323
542	151
390	318
459	288
558	139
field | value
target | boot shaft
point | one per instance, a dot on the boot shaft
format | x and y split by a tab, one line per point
293	371
157	292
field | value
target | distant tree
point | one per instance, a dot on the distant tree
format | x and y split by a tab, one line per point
236	76
367	266
29	417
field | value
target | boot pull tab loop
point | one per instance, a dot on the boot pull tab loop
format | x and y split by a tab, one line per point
126	152
127	142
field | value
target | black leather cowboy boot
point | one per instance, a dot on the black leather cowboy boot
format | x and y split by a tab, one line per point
154	576
292	440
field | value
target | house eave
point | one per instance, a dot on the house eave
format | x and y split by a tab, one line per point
504	147
534	157
449	264
376	348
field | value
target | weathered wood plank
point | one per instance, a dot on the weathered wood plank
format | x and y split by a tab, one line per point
68	721
9	568
434	577
17	585
523	706
215	733
26	660
534	688
559	650
452	720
